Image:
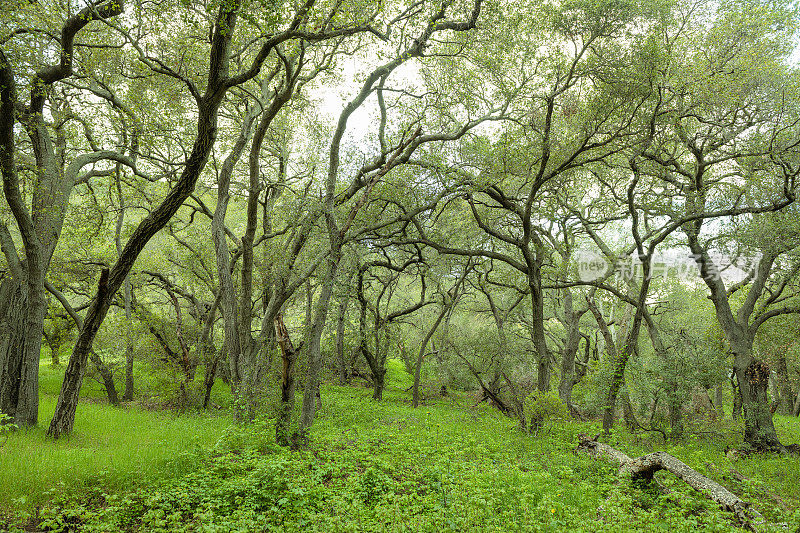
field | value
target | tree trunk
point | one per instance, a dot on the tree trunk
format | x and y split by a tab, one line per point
796	408
645	467
208	381
543	363
583	364
772	392
736	411
54	344
313	342
107	376
379	383
21	332
376	366
570	352
13	302
752	380
55	348
289	358
210	357
628	413
759	430
675	414
227	292
626	350
538	337
617	379
543	371
27	414
64	416
127	395
249	367
421	354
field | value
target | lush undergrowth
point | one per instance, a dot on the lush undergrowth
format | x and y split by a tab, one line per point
51	376
155	388
371	466
116	449
110	447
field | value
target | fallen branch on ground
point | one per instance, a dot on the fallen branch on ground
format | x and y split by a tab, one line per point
644	467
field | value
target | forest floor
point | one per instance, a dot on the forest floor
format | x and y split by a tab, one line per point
371	466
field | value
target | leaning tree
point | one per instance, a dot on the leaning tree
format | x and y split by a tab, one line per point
230	61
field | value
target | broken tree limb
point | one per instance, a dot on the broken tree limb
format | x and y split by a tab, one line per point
644	467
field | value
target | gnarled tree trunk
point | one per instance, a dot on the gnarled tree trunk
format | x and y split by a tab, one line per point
646	466
313	341
572	319
759	430
13	302
378	382
22	312
288	358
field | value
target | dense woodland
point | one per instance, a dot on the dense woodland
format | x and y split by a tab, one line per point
577	210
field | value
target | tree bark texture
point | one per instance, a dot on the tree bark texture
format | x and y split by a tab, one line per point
759	430
646	466
40	226
288	359
313	342
572	319
13	302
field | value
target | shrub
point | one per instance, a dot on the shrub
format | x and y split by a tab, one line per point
540	408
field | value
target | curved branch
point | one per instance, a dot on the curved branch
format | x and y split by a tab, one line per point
10	251
74	24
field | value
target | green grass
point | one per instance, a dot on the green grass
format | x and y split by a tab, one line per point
396	375
113	446
118	448
372	466
50	378
154	386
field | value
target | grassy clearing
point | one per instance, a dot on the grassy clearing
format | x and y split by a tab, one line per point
373	466
50	378
118	448
154	387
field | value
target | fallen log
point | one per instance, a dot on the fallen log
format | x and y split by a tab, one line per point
644	467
